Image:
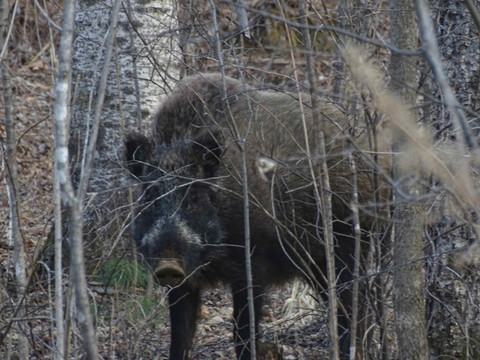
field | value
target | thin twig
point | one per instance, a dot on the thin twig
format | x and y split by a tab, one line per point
4	47
474	13
322	190
246	208
356	257
45	14
337	30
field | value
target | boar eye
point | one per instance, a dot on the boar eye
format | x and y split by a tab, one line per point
193	196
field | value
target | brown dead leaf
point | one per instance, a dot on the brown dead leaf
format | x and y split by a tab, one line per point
37	65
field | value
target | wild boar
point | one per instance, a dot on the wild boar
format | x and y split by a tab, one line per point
190	218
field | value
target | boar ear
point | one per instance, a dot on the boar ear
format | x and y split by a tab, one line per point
207	153
138	153
266	168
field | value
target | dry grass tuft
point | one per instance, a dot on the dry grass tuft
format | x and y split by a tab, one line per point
417	156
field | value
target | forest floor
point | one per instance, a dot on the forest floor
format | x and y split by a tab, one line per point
296	330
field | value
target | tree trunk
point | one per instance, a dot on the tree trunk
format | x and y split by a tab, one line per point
71	201
409	272
14	236
452	304
137	77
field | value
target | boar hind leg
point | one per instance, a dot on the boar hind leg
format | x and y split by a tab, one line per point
241	329
184	302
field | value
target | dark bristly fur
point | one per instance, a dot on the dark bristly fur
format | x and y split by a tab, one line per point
190	224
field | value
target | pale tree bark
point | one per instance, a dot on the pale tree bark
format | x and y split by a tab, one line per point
409	271
143	64
10	164
73	204
60	339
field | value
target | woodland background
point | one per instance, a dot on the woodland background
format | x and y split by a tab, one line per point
155	44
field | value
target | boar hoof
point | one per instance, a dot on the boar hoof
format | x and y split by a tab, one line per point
169	273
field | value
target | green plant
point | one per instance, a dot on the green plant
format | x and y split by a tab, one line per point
123	273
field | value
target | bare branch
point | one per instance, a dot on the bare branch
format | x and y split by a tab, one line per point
242	17
323	193
431	53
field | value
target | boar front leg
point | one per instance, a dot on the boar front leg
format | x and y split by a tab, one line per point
184	302
241	318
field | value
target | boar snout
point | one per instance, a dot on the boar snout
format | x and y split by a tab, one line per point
169	273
